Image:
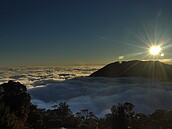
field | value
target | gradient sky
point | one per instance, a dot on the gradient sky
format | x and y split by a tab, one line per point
81	31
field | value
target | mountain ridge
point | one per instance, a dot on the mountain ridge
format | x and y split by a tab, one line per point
136	68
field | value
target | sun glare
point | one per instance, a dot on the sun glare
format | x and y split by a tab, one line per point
154	50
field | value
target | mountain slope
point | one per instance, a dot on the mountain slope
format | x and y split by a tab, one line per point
136	68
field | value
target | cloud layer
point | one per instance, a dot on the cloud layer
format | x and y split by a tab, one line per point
50	85
41	76
100	94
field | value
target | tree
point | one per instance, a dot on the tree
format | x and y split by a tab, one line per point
120	116
7	120
87	119
36	117
61	116
139	121
15	97
16	102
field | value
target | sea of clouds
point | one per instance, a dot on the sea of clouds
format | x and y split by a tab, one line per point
40	76
50	85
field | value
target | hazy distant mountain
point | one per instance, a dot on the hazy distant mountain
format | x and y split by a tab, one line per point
136	68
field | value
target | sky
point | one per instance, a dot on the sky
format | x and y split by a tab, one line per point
44	32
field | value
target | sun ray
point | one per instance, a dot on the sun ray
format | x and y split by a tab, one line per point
125	71
163	72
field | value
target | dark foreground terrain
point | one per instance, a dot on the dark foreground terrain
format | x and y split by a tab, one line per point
136	68
17	112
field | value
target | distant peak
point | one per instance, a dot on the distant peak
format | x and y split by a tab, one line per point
136	68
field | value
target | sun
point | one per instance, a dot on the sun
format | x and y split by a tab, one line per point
154	50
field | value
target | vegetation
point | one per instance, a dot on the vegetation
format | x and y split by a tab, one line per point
17	112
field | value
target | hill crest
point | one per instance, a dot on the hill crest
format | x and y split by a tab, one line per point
136	68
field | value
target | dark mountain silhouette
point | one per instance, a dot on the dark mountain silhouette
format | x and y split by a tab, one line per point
136	68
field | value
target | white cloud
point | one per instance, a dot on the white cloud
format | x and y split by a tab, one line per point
99	94
41	76
54	84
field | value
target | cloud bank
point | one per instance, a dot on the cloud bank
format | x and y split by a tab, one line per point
41	76
100	94
50	85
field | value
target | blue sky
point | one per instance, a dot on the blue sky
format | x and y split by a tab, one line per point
81	31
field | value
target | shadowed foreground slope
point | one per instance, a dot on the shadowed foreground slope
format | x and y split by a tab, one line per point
147	69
